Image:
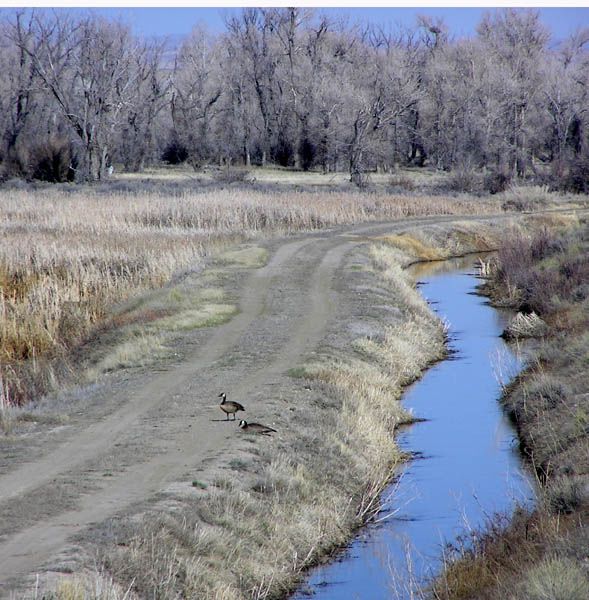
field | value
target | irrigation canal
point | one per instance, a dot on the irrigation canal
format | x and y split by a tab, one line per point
466	463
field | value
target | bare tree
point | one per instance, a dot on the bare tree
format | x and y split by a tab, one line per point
137	141
197	89
18	83
87	67
294	88
516	42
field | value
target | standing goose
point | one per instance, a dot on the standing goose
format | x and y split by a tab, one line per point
229	407
256	428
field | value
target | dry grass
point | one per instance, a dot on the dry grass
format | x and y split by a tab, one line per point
92	586
439	242
67	257
527	198
556	579
525	326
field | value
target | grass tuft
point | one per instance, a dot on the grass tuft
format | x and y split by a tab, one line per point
556	579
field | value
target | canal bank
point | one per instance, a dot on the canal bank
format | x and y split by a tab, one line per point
465	465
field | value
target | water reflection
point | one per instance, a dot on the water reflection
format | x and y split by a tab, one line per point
468	466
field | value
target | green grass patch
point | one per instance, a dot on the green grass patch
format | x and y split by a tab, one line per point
299	373
252	257
206	315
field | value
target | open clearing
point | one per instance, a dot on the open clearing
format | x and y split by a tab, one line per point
140	434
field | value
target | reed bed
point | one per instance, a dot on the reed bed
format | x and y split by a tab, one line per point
67	256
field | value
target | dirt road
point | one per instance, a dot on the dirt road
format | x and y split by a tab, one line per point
139	434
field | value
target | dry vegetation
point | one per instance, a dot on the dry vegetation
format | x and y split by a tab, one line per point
66	257
540	553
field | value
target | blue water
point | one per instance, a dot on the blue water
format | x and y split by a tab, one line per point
467	465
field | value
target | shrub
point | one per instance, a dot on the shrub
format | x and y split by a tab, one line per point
556	579
53	161
175	153
231	175
577	178
533	289
465	180
360	178
563	495
548	391
497	181
283	153
540	394
526	198
401	182
307	153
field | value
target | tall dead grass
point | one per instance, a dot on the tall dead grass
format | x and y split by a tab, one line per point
66	257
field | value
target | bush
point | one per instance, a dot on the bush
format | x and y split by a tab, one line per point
536	289
401	182
360	178
465	180
231	175
541	394
307	152
548	392
556	579
283	153
577	178
525	198
497	181
175	153
563	495
53	161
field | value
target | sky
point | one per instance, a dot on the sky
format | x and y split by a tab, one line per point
461	21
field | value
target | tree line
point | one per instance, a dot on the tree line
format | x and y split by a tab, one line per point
291	87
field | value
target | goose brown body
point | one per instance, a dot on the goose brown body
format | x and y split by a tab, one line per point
256	428
228	406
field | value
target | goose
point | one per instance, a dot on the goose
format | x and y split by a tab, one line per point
229	407
256	428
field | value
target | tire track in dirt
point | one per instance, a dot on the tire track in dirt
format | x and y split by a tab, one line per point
28	549
96	437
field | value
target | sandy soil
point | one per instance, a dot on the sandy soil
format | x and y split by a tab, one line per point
140	432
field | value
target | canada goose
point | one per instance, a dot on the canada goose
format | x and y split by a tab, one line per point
256	428
229	407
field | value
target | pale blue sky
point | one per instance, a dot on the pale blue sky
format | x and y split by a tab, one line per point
461	21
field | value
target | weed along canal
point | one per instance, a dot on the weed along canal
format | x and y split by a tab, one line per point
466	465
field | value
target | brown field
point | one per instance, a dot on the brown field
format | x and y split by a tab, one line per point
66	257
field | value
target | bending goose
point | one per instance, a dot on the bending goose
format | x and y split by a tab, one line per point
256	428
229	407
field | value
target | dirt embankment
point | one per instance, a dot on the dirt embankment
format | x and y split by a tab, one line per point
544	552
